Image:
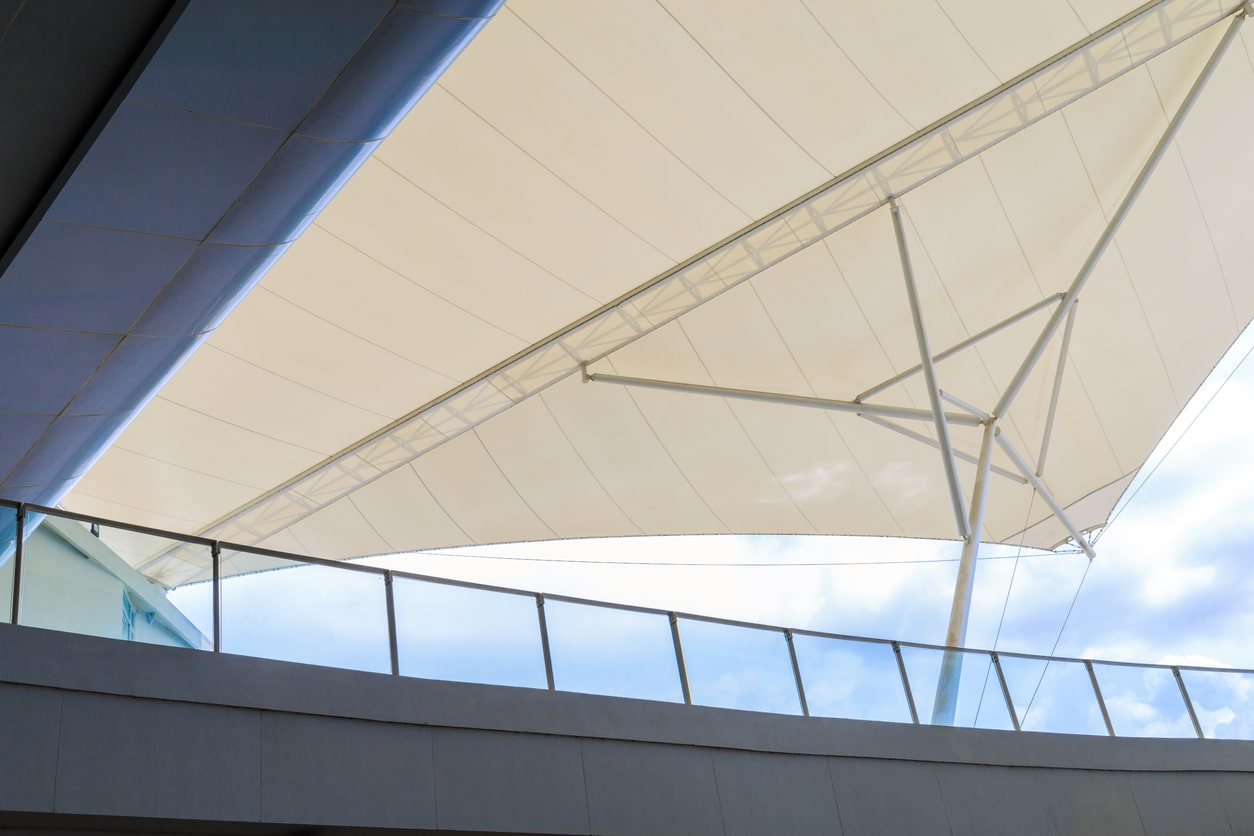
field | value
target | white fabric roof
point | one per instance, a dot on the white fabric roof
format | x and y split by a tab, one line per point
408	374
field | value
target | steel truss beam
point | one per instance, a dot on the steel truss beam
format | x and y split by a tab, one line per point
1021	102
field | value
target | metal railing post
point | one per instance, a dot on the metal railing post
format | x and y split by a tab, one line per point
1101	702
216	552
393	646
19	534
905	683
1188	703
1005	689
544	641
679	659
796	673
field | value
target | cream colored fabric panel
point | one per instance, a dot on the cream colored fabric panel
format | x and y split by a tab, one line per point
1042	185
161	431
907	477
554	113
1114	129
1012	37
749	354
911	52
261	401
1080	453
651	66
964	235
1214	144
815	466
387	252
518	202
1087	513
339	530
471	489
610	433
401	509
706	441
782	57
1184	296
721	462
527	444
866	255
294	343
809	301
157	492
1115	353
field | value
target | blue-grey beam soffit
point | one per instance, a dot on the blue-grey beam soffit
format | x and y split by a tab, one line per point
153	201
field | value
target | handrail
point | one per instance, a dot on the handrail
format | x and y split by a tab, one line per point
220	550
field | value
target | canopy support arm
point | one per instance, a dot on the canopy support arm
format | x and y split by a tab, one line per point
967	343
1026	469
1116	220
1053	398
882	410
951	664
929	375
931	442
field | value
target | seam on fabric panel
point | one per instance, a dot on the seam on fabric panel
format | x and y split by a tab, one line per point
549	409
423	482
510	482
748	437
354	334
560	178
745	92
665	449
636	121
423	288
488	233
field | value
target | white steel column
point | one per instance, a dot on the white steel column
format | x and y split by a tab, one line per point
951	665
929	374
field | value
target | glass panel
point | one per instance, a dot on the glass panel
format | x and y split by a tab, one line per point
321	615
738	667
852	679
467	635
600	650
1143	702
90	579
8	533
1053	696
1223	702
980	702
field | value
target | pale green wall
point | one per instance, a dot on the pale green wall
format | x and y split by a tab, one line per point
62	589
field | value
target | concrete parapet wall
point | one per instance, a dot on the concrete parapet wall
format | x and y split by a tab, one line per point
106	736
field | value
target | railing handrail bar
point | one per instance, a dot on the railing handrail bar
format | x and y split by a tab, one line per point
224	545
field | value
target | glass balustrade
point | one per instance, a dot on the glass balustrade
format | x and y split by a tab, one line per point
97	577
